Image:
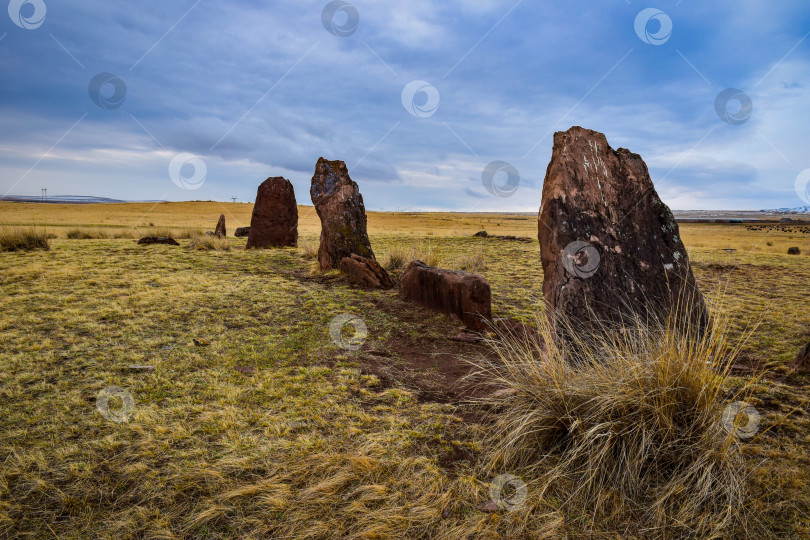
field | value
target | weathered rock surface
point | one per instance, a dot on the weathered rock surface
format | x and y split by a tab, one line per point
609	245
802	361
220	229
366	272
464	295
340	207
158	240
274	222
242	231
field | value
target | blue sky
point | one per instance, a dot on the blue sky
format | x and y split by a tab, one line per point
230	93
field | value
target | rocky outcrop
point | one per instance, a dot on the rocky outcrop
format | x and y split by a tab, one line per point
340	207
242	231
461	294
274	222
366	272
794	250
609	246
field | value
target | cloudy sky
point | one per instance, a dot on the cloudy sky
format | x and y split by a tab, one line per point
204	99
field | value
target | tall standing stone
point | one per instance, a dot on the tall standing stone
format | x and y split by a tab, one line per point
220	229
340	206
609	246
274	222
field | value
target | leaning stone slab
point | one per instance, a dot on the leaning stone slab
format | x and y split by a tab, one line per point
340	207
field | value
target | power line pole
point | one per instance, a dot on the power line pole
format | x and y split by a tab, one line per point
44	194
234	199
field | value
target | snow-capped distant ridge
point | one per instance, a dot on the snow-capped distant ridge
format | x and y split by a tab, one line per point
64	199
797	210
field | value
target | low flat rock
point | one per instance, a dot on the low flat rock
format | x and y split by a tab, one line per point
461	294
147	240
242	232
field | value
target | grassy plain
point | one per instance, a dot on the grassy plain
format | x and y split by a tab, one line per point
305	439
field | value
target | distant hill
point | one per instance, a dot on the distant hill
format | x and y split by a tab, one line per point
64	199
797	210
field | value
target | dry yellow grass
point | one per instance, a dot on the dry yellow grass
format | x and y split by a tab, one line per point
627	428
311	444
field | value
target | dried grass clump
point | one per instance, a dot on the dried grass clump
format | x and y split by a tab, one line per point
475	262
87	234
206	242
177	234
624	427
398	257
23	239
309	249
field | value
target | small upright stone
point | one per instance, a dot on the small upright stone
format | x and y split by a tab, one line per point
610	247
340	207
220	230
274	222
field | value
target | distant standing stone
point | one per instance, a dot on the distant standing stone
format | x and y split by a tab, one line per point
609	245
220	230
275	215
340	206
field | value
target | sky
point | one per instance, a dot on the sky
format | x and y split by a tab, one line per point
432	104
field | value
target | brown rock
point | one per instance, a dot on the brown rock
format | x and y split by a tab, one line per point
220	230
274	222
340	206
464	295
794	250
467	337
490	506
366	272
244	231
158	240
609	245
802	361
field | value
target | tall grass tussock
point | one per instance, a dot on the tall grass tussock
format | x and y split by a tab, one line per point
23	239
398	257
205	242
622	427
